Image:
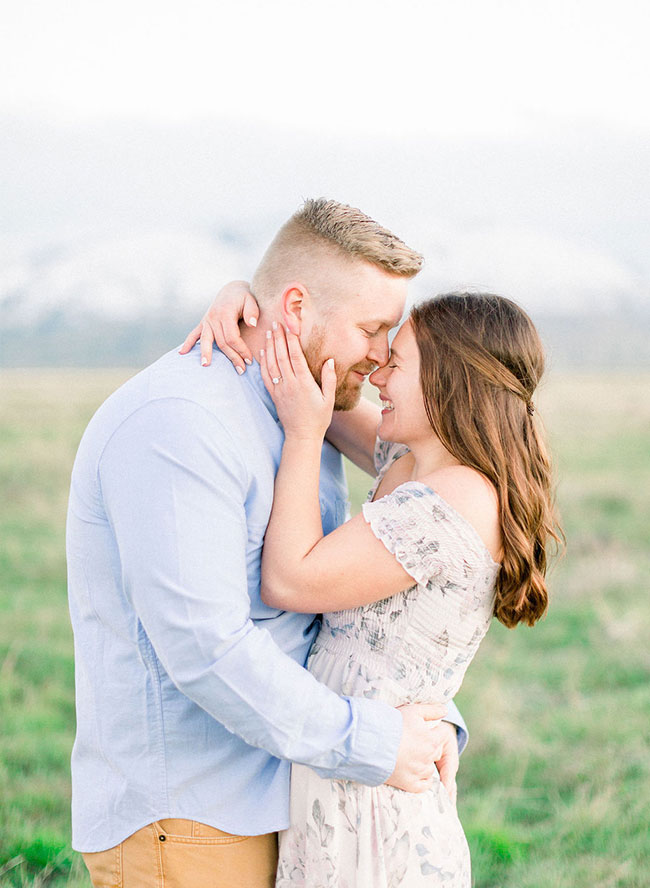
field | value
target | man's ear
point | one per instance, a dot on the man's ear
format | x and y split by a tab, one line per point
292	304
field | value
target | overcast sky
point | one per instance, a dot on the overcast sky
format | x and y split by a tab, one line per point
151	146
471	66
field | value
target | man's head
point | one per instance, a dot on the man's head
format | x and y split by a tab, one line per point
338	280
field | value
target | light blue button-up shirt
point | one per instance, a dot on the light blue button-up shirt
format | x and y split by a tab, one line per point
191	694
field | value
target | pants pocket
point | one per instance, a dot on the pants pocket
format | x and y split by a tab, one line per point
192	832
195	854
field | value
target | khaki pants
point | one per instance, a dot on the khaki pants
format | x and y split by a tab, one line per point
185	854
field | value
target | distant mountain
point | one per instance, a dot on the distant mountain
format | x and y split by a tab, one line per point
130	228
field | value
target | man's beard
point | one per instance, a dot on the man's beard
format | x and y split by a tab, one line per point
348	391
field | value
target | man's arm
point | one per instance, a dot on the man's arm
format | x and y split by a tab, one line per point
174	488
354	433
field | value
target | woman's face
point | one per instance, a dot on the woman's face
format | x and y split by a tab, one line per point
403	417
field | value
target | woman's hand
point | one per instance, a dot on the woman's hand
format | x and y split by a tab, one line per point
304	408
220	324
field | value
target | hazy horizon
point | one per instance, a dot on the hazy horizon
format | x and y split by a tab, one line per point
147	155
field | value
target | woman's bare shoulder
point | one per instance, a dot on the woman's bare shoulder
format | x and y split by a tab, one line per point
475	499
459	481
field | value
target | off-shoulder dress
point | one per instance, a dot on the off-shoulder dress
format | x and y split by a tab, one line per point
412	647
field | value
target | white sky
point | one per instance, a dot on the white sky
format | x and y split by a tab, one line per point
343	65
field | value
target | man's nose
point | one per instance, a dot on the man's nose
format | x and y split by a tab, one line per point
379	352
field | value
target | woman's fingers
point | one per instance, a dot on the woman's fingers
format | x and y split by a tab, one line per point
297	356
233	342
266	377
207	338
272	367
328	381
227	339
251	310
281	352
220	324
190	339
268	368
229	351
290	351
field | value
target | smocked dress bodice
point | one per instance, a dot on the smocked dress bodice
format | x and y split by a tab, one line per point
416	645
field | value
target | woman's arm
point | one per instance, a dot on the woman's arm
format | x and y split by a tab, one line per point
220	324
301	569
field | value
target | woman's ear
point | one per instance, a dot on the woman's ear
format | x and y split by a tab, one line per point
292	304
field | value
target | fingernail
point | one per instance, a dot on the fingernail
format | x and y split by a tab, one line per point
248	361
268	334
261	353
330	362
275	325
252	322
204	362
239	370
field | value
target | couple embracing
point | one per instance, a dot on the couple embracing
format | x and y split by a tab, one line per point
207	527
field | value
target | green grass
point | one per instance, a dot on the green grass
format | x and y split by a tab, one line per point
554	789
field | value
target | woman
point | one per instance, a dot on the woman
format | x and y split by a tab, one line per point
455	531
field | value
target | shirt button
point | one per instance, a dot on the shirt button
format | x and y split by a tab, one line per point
162	838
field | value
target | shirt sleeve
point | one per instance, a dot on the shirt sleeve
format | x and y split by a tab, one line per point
174	488
456	719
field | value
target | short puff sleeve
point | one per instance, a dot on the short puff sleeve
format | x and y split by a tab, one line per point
411	523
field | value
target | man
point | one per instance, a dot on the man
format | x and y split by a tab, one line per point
191	694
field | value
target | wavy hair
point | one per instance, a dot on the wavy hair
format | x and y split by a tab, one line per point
481	360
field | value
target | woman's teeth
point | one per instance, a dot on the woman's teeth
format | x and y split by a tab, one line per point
388	405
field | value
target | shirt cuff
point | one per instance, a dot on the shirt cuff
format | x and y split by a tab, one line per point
456	719
375	743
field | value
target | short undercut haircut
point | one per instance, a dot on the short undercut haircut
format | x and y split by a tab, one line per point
356	234
326	225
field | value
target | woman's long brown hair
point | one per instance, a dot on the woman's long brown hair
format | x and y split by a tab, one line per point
481	359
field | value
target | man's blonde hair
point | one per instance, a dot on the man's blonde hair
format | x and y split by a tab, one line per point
328	227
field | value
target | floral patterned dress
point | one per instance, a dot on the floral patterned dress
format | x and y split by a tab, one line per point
410	648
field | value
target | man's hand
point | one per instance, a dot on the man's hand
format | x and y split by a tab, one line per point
420	748
446	755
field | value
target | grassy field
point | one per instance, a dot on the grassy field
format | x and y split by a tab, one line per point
554	788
